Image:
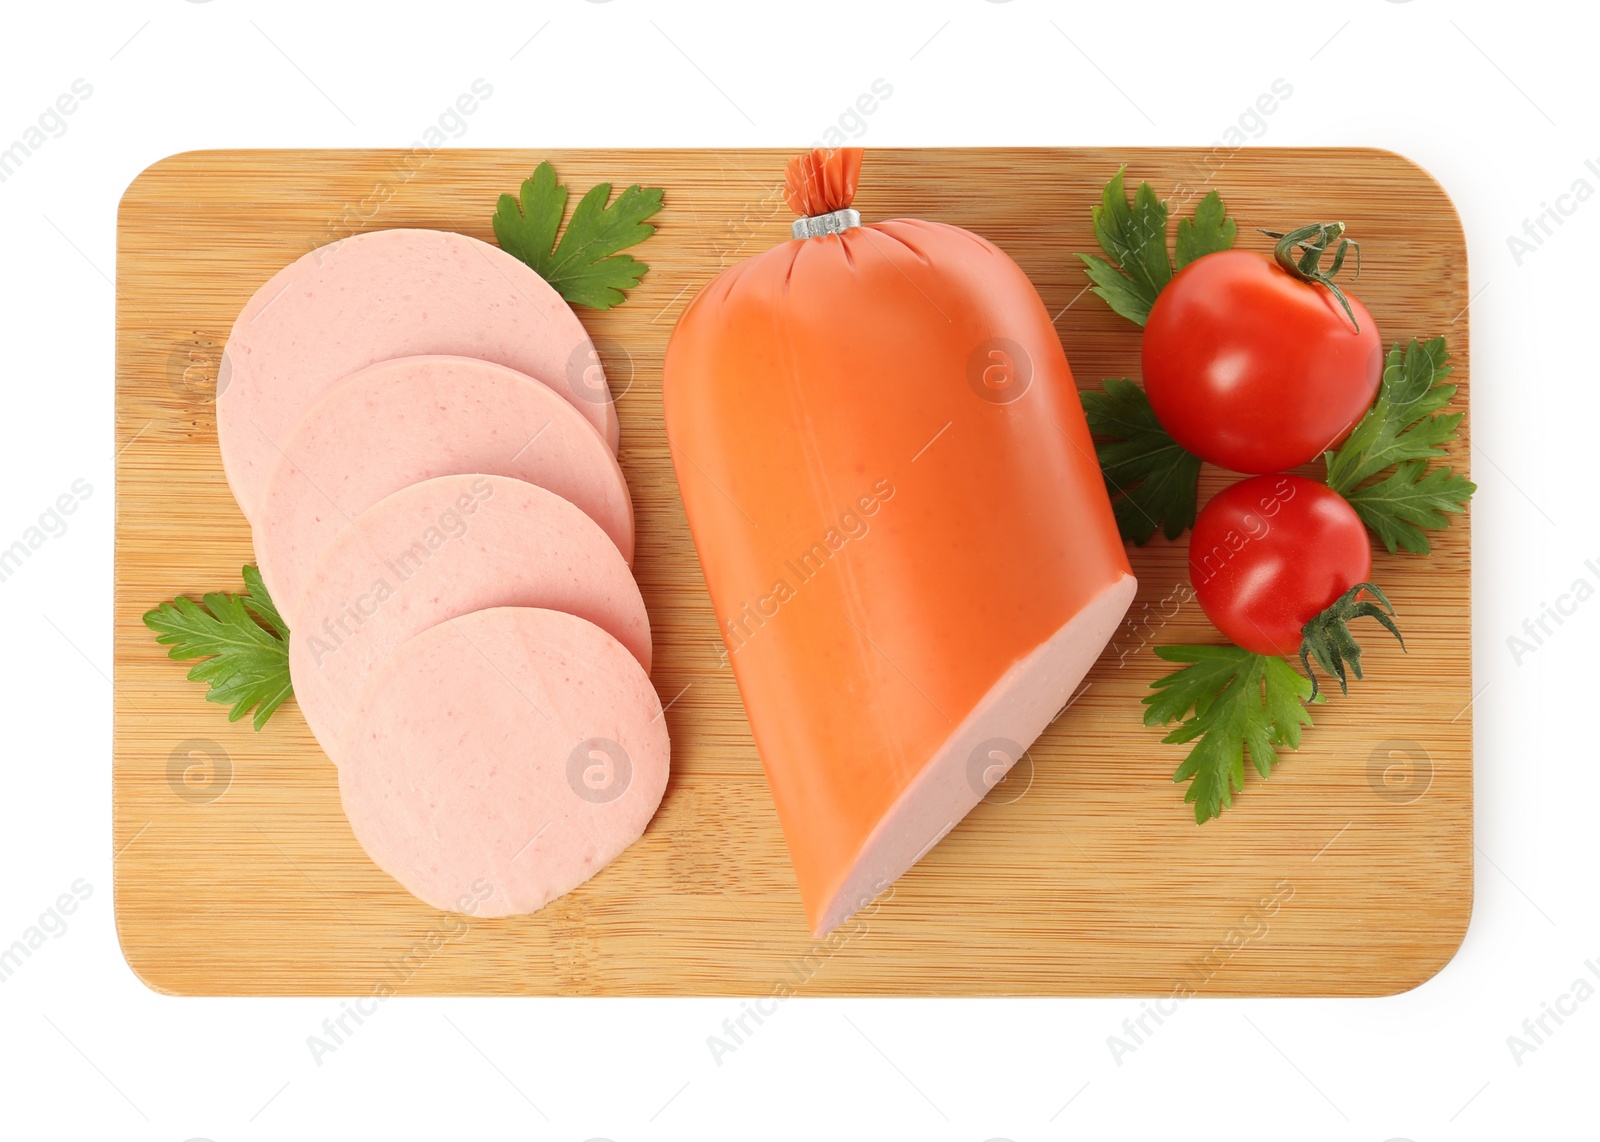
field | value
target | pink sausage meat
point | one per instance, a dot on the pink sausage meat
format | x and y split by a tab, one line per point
503	759
399	422
436	551
389	293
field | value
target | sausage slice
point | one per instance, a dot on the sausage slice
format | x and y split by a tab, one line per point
389	293
500	759
399	422
435	551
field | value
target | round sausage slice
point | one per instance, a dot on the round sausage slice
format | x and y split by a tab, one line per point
501	759
389	293
399	422
441	549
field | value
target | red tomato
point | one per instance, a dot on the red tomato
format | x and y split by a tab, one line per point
1271	553
1254	370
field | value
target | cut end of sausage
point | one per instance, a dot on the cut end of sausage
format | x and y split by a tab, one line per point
499	760
977	755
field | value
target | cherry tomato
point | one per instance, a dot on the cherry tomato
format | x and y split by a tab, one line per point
1253	369
1270	553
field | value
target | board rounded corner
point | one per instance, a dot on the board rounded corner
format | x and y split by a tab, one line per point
1432	179
144	971
1447	949
156	169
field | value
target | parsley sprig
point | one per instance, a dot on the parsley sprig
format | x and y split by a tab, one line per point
584	267
1151	478
241	640
1229	702
1409	501
1134	236
1404	430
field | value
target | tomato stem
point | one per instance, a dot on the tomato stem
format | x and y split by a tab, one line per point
1314	241
1327	637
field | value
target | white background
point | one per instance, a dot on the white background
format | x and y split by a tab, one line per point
1496	100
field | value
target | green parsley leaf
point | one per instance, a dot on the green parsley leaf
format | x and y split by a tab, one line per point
242	643
1240	702
1209	231
260	604
1401	424
1134	235
1410	499
1403	430
584	267
1151	479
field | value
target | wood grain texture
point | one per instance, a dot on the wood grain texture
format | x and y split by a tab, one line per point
1083	874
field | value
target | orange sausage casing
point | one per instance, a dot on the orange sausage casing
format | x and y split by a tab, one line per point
904	531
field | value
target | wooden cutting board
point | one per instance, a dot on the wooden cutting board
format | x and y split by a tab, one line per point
1349	872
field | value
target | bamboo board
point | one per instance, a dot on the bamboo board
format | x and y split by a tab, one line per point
1349	872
